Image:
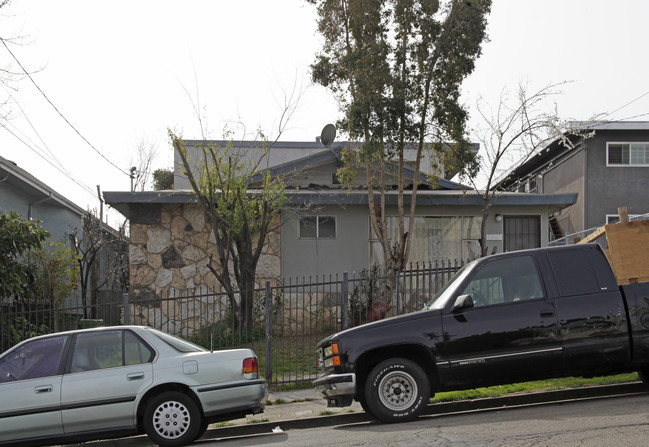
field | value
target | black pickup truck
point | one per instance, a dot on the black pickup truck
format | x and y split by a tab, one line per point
505	318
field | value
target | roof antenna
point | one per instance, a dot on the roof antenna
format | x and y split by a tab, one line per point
328	135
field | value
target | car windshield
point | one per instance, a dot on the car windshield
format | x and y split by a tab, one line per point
177	343
442	297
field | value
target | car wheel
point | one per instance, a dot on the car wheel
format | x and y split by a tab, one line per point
397	390
172	419
643	374
365	407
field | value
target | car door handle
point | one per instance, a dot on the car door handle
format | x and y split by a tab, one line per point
547	314
43	389
135	376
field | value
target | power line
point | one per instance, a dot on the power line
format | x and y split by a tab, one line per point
628	104
57	110
84	187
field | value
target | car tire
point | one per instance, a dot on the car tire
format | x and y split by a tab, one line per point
172	419
397	390
365	407
643	374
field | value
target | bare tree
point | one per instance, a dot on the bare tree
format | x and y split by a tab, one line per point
240	201
511	133
141	176
98	243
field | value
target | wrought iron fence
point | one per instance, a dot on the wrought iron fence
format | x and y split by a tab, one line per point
287	319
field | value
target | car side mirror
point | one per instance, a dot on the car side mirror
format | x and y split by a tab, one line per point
462	302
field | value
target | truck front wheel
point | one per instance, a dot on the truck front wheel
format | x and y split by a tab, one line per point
397	390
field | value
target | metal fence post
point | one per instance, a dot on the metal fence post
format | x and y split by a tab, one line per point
345	300
126	310
269	324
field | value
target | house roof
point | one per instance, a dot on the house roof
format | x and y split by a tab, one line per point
335	155
546	154
33	189
122	200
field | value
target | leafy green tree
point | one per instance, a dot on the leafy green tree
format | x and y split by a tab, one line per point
56	272
163	179
240	218
17	237
396	67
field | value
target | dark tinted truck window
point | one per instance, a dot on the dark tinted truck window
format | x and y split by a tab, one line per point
573	271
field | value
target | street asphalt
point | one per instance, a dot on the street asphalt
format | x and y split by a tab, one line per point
300	409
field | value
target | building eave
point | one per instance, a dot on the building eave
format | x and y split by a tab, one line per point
123	200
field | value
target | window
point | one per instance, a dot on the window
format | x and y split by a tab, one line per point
505	280
109	349
317	227
627	154
573	272
33	360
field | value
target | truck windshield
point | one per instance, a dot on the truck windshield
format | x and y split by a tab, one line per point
442	297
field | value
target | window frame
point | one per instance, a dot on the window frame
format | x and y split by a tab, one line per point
629	164
317	227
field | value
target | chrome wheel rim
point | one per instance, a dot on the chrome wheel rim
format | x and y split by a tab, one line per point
171	420
398	391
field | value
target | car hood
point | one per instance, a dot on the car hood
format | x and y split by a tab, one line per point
377	325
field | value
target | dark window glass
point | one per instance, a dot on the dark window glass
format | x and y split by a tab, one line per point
573	272
177	343
308	226
326	227
317	227
35	359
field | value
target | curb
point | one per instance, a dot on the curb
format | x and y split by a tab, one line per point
441	408
437	409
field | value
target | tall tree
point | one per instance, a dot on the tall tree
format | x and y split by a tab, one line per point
509	134
240	218
396	67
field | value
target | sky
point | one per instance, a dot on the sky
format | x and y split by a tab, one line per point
107	77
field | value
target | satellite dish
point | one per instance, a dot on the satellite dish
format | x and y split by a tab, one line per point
328	135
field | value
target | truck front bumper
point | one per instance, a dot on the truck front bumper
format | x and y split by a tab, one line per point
339	389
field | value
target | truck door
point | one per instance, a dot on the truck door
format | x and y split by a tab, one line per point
592	315
511	331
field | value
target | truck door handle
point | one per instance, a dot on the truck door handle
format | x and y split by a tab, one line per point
547	314
43	389
135	376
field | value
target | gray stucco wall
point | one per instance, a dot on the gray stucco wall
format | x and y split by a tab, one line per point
350	250
613	187
567	176
58	220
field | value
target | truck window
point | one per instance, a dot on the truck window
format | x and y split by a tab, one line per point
505	280
573	271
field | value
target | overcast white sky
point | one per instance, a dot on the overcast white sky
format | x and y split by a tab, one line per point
119	72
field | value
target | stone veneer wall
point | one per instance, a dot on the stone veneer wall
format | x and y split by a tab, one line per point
170	248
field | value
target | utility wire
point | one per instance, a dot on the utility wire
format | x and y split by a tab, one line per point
57	110
84	187
51	154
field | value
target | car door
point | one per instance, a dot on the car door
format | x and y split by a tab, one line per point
591	310
510	332
108	371
30	389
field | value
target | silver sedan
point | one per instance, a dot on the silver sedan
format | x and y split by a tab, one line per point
122	380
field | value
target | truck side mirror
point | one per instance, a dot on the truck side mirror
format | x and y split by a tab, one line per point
462	302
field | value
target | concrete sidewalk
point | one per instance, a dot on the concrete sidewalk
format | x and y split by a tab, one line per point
299	409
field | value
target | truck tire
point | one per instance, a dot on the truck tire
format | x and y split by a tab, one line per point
172	419
397	390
